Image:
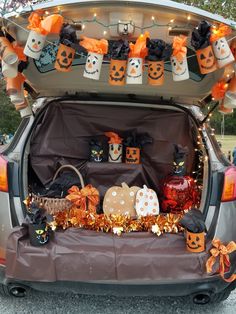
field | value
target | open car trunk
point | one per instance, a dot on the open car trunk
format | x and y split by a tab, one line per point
62	136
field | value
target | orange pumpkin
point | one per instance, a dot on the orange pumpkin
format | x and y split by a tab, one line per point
206	60
132	155
117	72
195	242
64	59
155	72
120	200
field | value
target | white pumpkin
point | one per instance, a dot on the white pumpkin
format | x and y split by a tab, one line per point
147	202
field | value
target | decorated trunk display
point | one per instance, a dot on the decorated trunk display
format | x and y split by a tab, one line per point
179	61
120	200
96	50
201	42
119	55
39	29
158	53
137	54
179	192
115	147
66	52
220	46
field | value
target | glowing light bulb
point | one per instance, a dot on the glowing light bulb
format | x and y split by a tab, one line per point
83	26
170	28
153	18
47	12
95	15
172	21
104	32
189	17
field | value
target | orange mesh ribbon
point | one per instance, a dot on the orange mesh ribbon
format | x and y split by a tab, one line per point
19	51
139	49
219	89
114	138
86	199
95	45
222	31
179	47
51	24
221	252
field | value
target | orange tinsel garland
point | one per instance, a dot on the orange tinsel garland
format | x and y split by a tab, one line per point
221	252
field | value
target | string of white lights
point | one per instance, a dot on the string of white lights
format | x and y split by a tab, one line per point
95	20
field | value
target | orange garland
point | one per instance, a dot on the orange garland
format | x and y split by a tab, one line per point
219	89
221	251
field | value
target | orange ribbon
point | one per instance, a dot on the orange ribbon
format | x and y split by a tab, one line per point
114	138
86	199
95	45
179	47
219	89
139	49
19	51
222	31
221	251
51	24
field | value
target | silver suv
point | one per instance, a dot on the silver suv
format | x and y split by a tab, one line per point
68	111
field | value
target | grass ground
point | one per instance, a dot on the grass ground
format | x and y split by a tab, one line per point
228	143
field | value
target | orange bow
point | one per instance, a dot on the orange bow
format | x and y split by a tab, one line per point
51	24
219	89
179	47
223	252
139	49
94	45
114	138
222	31
86	199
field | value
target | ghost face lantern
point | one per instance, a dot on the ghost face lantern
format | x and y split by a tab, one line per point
64	59
132	155
34	45
206	60
93	65
134	73
179	69
155	72
117	72
222	52
195	242
115	153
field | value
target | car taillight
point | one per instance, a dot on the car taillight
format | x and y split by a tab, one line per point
229	191
3	175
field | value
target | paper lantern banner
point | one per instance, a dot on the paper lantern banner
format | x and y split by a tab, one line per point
34	45
206	60
156	72
134	73
7	53
15	89
179	69
115	147
9	70
64	59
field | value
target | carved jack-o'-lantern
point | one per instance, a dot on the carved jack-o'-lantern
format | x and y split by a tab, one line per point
117	72
64	59
222	52
120	200
195	242
155	72
206	60
132	155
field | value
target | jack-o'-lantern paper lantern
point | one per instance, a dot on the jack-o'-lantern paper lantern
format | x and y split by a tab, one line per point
158	52
146	202
179	192
118	51
195	228
220	45
39	29
7	53
201	42
134	143
66	52
230	95
137	54
120	200
132	155
96	50
115	147
15	89
178	59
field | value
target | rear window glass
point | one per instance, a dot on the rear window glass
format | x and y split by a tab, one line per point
49	52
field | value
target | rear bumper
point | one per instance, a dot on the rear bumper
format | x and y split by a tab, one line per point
191	287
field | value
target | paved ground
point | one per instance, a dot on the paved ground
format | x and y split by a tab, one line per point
39	303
